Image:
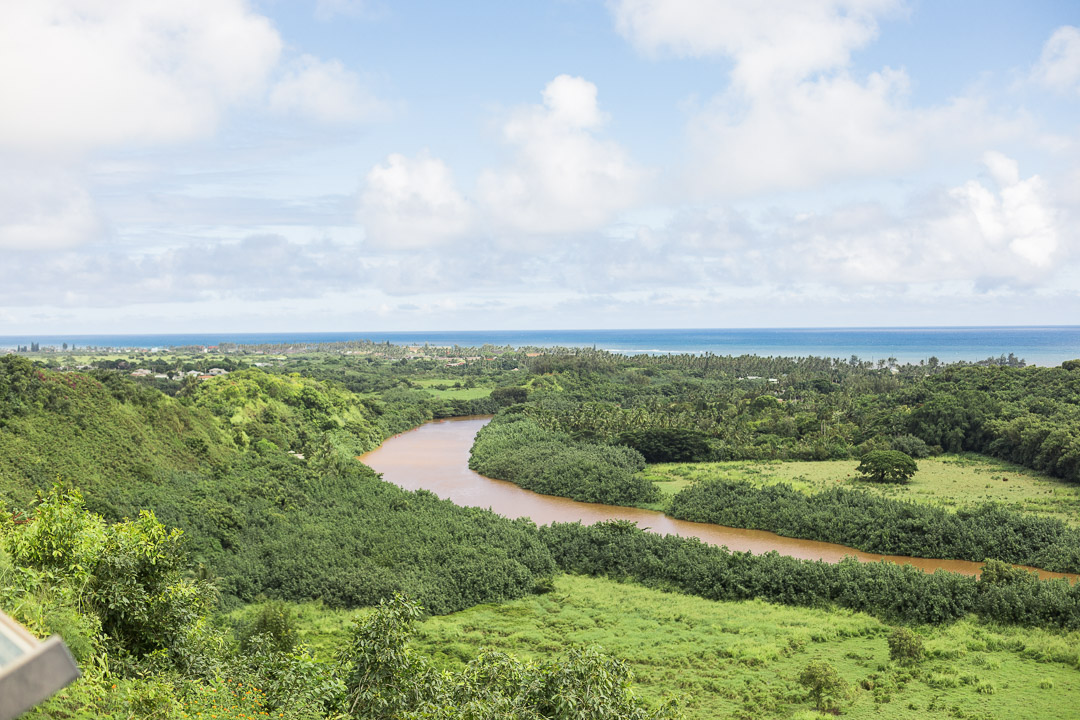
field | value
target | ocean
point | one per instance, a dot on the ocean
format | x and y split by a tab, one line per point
1044	345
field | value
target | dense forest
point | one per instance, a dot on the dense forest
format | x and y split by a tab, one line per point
252	458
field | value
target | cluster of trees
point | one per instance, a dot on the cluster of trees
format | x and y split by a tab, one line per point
139	626
814	408
620	550
513	447
883	525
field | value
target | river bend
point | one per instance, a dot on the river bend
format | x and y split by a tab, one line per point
435	457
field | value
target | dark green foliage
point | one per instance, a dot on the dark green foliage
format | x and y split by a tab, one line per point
75	427
273	525
905	646
514	448
509	395
910	445
264	521
878	524
618	549
887	466
659	445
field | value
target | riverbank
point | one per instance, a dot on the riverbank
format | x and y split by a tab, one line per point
435	457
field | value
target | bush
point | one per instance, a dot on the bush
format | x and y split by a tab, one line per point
905	646
275	624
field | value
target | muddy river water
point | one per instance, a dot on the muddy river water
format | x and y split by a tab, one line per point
435	457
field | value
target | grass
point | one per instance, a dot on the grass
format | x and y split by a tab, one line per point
741	659
445	388
949	481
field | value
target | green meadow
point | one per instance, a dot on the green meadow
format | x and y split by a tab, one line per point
742	659
451	388
949	481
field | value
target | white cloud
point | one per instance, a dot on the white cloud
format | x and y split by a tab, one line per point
80	75
324	91
563	178
412	203
1059	66
1013	234
794	115
44	209
784	39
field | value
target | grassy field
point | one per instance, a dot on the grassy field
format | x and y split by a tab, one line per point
742	659
950	481
435	387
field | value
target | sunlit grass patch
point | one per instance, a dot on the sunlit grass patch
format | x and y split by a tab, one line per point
949	481
742	659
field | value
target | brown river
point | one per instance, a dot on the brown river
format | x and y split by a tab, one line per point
435	457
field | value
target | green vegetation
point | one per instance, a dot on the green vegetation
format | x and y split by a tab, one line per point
140	631
222	463
620	550
256	465
891	466
743	659
946	481
882	525
513	447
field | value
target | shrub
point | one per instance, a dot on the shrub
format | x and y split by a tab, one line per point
822	681
905	646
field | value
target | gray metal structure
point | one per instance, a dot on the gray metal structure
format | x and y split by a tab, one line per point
30	670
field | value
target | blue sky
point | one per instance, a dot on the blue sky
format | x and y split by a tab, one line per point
221	165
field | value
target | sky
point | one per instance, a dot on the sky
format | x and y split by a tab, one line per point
352	165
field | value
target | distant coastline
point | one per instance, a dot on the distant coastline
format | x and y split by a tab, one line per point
1037	345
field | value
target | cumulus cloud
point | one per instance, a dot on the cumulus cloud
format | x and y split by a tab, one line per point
775	41
1059	65
80	78
412	203
324	91
563	178
1010	233
82	75
794	115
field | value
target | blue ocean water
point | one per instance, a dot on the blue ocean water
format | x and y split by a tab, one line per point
1036	345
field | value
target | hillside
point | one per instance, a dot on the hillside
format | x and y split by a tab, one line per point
258	470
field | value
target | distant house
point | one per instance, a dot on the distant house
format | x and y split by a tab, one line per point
217	371
141	372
